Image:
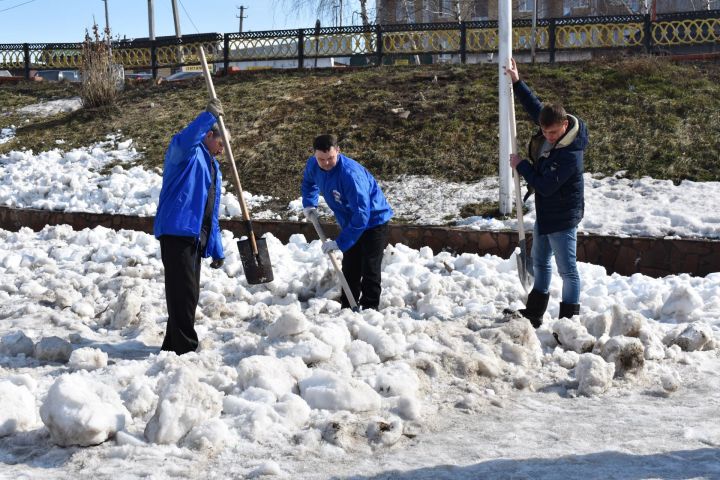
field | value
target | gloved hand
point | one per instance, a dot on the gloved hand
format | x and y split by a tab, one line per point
309	212
215	107
330	246
217	262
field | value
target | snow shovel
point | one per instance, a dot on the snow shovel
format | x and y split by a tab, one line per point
313	217
524	261
253	252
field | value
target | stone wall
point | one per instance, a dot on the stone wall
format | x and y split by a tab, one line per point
655	257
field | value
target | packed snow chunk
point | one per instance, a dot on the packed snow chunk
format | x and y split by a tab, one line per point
83	309
573	336
654	348
627	353
361	353
126	310
327	390
139	397
670	381
385	347
279	375
409	408
697	336
53	349
683	300
594	374
184	402
18	412
385	432
268	469
626	322
211	435
293	409
81	411
291	322
396	379
16	343
88	359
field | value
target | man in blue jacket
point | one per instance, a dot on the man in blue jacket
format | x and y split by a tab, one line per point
360	209
187	222
555	172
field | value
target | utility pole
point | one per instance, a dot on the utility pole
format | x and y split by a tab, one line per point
178	34
107	23
340	17
241	16
151	20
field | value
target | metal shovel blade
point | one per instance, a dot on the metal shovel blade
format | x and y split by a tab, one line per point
257	267
524	264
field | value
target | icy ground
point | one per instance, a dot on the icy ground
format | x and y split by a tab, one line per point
437	384
79	180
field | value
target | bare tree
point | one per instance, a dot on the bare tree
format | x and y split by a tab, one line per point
323	8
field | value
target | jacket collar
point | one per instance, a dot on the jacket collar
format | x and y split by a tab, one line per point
570	134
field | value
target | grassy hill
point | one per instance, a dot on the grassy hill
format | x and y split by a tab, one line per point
647	116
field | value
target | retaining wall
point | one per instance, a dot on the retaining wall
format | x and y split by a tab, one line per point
654	257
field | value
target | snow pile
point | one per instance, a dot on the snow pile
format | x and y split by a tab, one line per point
76	181
52	107
282	373
7	134
18	412
82	411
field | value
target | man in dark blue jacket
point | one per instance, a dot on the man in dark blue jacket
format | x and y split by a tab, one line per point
187	222
360	209
555	172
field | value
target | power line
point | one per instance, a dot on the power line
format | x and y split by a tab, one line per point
188	15
15	6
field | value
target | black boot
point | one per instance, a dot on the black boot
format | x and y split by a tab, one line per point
569	310
535	307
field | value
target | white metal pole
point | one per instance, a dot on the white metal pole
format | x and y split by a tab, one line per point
504	55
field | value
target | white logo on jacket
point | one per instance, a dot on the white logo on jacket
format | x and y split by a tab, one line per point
337	196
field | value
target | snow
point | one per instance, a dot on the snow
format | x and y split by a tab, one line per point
437	384
7	134
51	107
286	384
103	178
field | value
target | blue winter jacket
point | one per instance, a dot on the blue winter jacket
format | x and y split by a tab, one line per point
558	177
186	181
352	194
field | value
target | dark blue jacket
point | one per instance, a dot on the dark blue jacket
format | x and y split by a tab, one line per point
186	181
352	194
558	177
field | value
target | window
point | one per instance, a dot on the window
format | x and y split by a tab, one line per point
526	5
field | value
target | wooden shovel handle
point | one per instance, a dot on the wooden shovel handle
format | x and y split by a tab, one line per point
228	149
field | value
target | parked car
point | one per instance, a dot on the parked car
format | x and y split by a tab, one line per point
138	76
58	75
183	76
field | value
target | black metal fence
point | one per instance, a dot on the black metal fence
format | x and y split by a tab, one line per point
385	44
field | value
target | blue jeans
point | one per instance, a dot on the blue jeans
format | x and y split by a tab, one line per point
563	245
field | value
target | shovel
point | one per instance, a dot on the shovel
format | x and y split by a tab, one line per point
313	217
524	261
253	252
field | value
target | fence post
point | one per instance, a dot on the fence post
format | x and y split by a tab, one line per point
463	42
301	49
648	33
26	59
551	39
226	53
153	59
378	30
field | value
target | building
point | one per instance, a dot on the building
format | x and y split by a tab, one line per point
432	11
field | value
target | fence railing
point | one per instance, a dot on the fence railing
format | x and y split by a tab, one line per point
381	44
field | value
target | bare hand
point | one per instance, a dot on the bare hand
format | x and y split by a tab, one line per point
515	160
512	71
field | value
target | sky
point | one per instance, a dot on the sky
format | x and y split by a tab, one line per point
41	21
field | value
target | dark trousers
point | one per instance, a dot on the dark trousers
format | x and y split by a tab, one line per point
181	258
361	266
